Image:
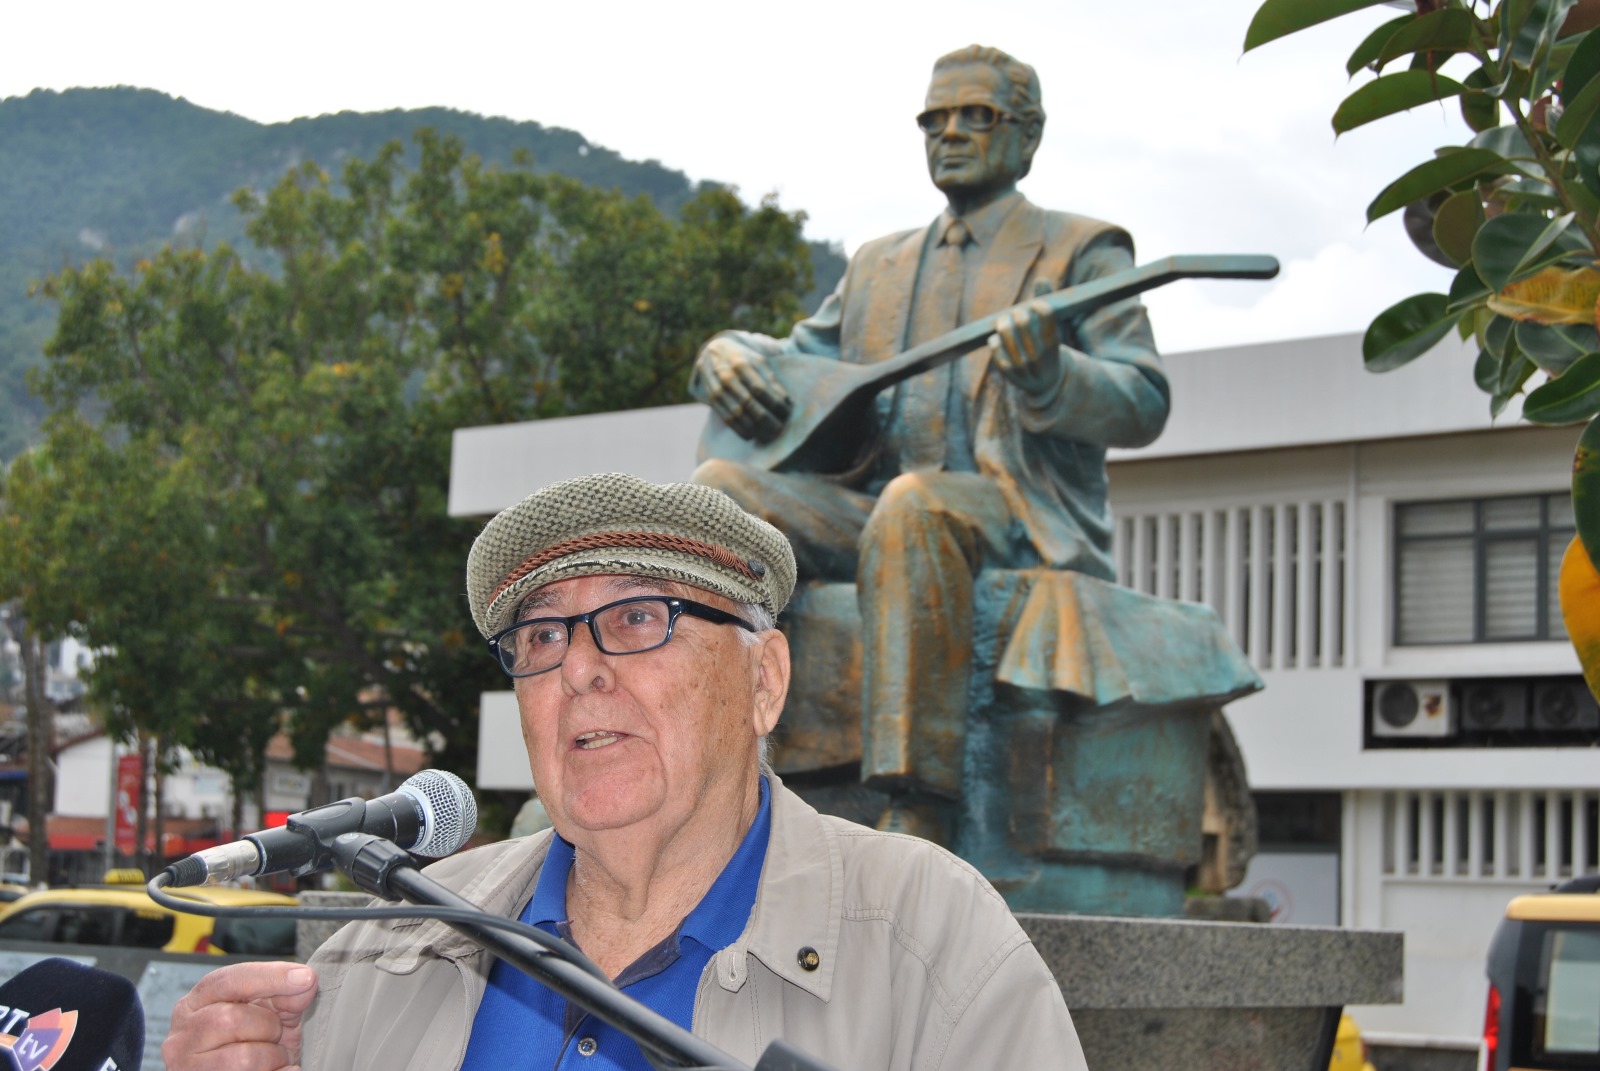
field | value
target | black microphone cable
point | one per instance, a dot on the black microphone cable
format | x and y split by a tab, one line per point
551	945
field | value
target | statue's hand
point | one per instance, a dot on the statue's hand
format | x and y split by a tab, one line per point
1027	348
740	387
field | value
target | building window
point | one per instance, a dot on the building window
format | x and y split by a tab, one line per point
1480	570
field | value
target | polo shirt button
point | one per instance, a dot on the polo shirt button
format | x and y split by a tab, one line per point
809	959
588	1047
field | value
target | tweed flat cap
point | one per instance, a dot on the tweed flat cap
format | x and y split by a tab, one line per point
615	523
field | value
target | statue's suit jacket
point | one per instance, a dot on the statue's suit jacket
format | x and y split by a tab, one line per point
1046	453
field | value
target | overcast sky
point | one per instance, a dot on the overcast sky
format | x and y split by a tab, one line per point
1156	121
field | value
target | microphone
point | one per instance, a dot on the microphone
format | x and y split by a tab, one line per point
432	814
63	1016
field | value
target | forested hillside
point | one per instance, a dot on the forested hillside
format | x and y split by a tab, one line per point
121	172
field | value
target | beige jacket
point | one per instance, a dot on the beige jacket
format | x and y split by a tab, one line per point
922	965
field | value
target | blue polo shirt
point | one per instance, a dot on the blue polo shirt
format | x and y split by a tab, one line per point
521	1024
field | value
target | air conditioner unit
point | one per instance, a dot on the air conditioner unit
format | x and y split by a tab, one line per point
1564	704
1494	706
1412	709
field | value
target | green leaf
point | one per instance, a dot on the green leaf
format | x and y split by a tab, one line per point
1516	244
1584	200
1391	93
1473	319
1279	18
1449	29
1479	108
1570	397
1579	115
1505	140
1586	158
1529	29
1514	374
1554	348
1440	173
1405	331
1497	337
1526	194
1581	67
1486	371
1366	53
1456	222
1467	290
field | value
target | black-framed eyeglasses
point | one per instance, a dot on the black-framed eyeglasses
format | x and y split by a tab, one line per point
978	118
627	626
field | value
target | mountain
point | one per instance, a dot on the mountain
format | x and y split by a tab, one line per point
119	172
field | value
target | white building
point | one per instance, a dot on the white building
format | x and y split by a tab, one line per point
1386	556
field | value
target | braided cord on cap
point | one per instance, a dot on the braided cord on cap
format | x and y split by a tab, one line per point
633	540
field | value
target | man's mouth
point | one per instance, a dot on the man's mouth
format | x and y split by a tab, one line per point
598	738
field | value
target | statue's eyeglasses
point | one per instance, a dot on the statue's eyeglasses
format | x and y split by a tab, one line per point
627	626
978	118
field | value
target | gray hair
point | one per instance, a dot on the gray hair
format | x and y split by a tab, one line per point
762	618
1023	79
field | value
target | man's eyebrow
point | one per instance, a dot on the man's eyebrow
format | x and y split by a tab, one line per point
544	598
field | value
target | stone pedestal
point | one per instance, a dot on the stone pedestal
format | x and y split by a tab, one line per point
1212	996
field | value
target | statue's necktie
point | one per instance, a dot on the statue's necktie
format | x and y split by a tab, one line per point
936	310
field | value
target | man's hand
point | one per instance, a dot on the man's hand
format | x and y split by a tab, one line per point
242	1017
740	387
1027	348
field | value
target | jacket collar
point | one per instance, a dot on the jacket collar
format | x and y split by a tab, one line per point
501	888
790	914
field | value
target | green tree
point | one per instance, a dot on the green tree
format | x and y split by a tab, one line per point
271	449
1515	210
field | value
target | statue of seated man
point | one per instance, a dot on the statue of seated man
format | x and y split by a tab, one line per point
995	460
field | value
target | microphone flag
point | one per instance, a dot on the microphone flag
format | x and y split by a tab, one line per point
58	1015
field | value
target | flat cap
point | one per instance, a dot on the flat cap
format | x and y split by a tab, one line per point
615	523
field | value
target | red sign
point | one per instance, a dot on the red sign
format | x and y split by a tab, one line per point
130	772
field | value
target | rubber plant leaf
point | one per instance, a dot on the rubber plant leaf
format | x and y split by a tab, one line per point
1392	93
1570	397
1552	295
1279	18
1405	331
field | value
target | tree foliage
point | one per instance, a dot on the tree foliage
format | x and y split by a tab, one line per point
125	171
1515	211
253	528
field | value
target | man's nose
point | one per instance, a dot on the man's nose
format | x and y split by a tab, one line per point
584	663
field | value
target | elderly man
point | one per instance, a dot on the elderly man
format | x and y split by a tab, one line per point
996	460
636	621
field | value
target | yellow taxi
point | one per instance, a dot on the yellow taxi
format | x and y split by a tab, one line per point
123	914
1543	1010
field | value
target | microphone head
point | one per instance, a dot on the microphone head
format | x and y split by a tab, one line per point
449	813
58	1015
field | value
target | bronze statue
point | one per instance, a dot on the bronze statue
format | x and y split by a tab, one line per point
995	460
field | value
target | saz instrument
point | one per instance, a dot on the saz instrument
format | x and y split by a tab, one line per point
832	399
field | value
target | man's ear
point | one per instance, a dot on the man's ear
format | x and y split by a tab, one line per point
771	671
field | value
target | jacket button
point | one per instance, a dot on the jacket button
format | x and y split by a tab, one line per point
587	1047
809	960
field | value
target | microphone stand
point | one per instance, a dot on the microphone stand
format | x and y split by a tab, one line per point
384	869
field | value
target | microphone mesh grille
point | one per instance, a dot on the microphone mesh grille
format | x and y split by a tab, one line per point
449	813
